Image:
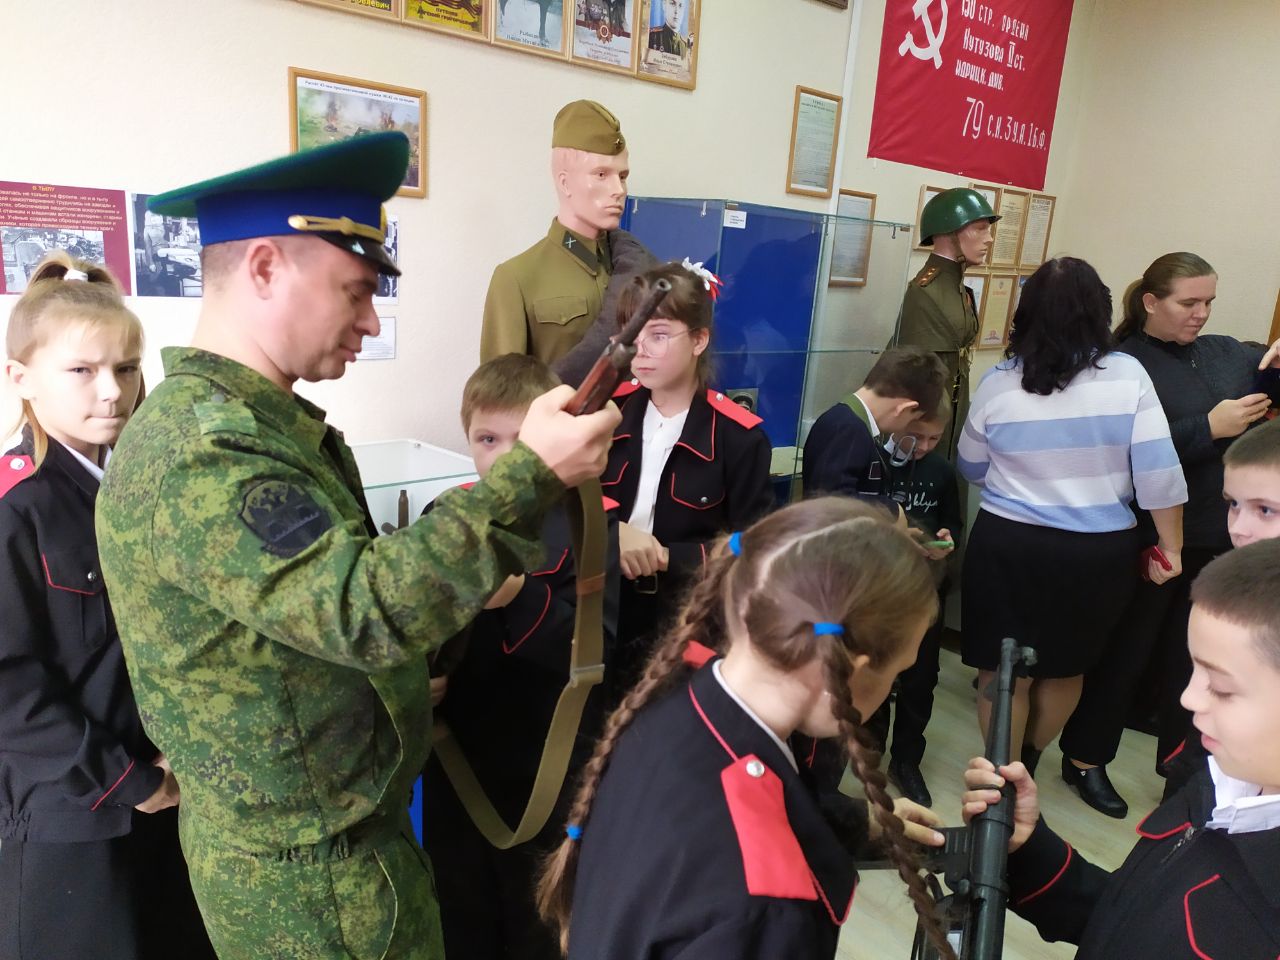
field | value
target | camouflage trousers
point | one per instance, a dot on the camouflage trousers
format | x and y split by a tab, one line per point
371	898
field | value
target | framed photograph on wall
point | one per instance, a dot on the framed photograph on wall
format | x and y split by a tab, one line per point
383	9
325	108
927	193
668	33
851	243
815	127
534	26
602	34
842	4
464	17
996	311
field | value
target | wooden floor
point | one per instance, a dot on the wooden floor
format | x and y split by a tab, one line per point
882	923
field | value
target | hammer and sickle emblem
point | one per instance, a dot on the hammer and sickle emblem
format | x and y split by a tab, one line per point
932	50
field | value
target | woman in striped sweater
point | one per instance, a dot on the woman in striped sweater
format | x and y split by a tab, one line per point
1061	436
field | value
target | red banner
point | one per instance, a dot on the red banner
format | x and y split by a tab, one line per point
970	87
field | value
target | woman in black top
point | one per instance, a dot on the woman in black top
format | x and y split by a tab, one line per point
1205	383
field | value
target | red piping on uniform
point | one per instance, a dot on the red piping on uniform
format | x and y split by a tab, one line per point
545	607
621	436
1056	877
813	754
1159	836
555	569
618	478
1186	912
1176	750
691	506
113	786
698	453
716	733
49	579
822	895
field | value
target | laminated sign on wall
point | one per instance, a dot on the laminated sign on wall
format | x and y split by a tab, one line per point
970	87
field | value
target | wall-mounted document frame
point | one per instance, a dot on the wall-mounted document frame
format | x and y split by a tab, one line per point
815	124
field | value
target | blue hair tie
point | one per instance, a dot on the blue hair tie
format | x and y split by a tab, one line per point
825	629
573	832
735	543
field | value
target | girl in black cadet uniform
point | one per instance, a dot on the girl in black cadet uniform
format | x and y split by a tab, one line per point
1203	881
687	463
89	863
694	832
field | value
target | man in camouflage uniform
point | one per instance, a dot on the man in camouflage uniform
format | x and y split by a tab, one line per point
938	310
277	650
557	300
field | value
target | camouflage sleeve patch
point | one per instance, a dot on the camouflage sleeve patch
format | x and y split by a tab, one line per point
283	516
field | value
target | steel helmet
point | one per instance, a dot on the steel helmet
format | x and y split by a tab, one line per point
952	209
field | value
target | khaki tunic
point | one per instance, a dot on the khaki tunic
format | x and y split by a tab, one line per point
938	313
544	300
278	653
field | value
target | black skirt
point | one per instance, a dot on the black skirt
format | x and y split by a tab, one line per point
1058	591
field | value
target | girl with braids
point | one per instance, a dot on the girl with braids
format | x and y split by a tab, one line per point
694	831
89	858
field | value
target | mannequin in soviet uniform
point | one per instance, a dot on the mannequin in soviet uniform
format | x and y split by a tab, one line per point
938	310
545	300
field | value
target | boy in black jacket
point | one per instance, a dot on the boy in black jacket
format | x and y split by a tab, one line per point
1204	879
497	685
923	482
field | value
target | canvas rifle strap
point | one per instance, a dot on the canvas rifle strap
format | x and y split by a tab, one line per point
586	669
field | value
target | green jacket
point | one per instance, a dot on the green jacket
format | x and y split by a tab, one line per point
541	302
277	649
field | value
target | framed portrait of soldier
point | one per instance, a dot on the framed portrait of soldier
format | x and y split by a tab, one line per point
383	9
533	26
602	34
669	39
465	18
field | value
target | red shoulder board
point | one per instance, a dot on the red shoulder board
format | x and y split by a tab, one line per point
626	388
468	485
696	654
13	470
609	504
734	411
774	863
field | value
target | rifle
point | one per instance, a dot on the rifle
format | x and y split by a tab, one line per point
586	658
974	858
602	379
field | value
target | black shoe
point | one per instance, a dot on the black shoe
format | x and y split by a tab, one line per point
1030	758
907	778
1095	789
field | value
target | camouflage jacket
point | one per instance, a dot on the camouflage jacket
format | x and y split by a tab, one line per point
277	649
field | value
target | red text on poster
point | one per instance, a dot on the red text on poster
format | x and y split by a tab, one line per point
36	218
970	87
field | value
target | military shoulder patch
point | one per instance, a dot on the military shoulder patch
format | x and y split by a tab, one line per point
13	470
284	516
225	416
926	276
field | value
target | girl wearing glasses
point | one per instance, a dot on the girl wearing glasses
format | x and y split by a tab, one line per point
687	463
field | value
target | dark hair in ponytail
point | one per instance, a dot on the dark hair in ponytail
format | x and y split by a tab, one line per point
1158	281
830	559
688	302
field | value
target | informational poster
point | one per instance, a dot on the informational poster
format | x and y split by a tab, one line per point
1035	235
1008	229
88	223
813	142
166	252
970	86
851	244
383	346
993	330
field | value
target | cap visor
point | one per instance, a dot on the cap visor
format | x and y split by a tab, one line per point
369	250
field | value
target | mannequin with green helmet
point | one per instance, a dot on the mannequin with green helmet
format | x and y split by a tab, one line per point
938	310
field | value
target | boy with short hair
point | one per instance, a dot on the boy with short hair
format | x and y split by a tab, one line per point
504	677
1202	880
1251	485
841	454
923	482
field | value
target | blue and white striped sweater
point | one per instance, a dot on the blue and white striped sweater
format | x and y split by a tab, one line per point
1074	459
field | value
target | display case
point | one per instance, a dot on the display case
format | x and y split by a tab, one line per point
787	344
403	476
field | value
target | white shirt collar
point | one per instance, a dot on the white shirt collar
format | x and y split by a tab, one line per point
1240	806
95	471
786	751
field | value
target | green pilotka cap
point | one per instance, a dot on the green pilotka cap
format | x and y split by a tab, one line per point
951	210
586	125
